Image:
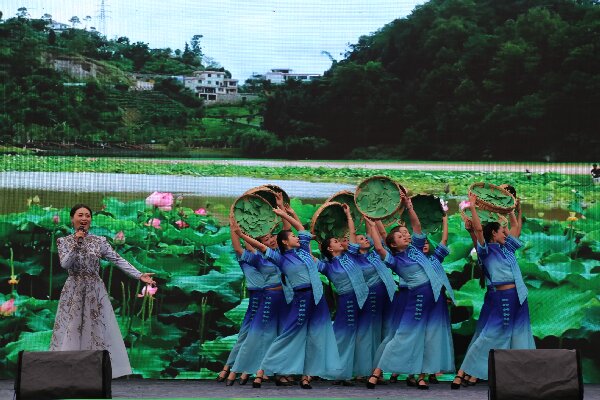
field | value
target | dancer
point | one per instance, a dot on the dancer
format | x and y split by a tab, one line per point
255	283
507	324
347	277
436	257
267	321
382	290
307	345
423	341
85	319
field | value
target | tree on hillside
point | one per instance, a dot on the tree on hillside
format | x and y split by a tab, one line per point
74	21
22	12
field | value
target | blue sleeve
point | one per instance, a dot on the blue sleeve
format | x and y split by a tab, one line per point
354	248
274	256
418	240
512	244
482	251
322	266
389	260
441	252
249	257
305	238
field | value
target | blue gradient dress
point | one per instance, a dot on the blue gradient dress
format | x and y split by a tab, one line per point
382	290
423	341
505	323
268	321
255	283
307	344
352	291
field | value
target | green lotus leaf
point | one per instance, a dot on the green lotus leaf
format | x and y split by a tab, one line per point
544	303
537	245
175	250
141	353
236	314
553	268
493	195
42	320
256	216
123	210
29	341
377	197
218	349
225	286
113	224
470	295
429	211
228	264
484	215
33	267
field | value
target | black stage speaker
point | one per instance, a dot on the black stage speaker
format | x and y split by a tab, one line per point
83	374
535	374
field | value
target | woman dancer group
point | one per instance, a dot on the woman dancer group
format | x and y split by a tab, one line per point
379	325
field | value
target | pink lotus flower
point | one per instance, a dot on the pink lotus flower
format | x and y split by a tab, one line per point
464	204
120	237
148	290
8	308
181	224
163	201
153	222
200	211
56	219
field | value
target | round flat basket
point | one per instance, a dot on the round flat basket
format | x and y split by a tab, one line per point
347	197
492	198
395	218
277	189
485	216
429	210
378	197
264	192
254	215
329	221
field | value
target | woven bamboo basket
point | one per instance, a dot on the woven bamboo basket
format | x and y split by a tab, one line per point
489	206
259	227
347	197
393	193
485	216
277	189
429	210
264	192
338	228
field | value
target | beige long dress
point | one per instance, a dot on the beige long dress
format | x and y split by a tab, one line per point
85	319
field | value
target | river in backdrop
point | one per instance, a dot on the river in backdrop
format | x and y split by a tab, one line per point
214	193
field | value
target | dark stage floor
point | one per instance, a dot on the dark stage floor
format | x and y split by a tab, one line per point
190	389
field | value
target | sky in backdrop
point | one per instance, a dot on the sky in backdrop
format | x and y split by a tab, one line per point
244	36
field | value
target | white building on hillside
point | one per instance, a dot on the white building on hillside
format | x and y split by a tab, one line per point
212	86
280	75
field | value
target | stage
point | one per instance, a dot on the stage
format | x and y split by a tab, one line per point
194	389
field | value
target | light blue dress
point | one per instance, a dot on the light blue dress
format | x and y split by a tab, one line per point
506	323
255	283
307	344
268	321
382	290
352	292
423	340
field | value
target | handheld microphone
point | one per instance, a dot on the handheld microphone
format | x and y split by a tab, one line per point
80	239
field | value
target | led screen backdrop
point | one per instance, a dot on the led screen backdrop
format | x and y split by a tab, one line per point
206	102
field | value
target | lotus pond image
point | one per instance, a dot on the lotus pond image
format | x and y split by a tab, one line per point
186	328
